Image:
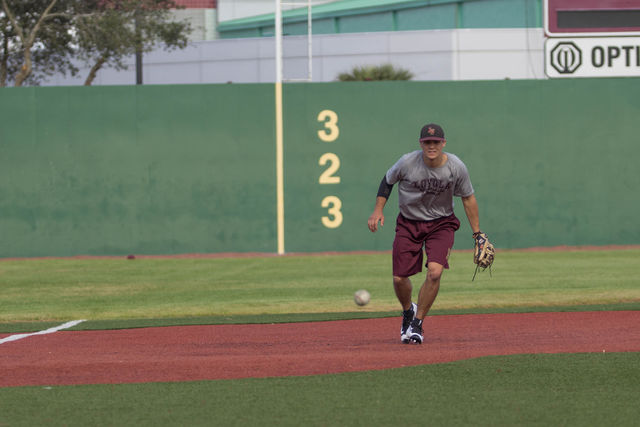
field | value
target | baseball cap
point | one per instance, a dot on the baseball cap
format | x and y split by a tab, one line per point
431	131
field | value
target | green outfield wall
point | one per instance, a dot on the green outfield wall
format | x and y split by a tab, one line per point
192	168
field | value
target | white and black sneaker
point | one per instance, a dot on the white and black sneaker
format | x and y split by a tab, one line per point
414	333
407	317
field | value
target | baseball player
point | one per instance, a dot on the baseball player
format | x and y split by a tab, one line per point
427	181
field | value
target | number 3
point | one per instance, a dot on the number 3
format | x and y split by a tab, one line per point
334	210
330	119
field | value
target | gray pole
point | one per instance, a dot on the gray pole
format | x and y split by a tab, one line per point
138	67
138	53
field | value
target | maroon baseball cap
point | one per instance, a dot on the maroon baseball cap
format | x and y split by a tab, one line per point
431	132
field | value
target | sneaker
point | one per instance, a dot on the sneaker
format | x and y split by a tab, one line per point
415	331
407	317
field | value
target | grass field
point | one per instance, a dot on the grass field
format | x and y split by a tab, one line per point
587	389
121	289
529	390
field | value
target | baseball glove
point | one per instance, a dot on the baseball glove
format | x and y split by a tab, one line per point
483	252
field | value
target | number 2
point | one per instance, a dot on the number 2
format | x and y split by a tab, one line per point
327	177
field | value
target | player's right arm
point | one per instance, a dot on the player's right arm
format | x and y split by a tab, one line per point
381	200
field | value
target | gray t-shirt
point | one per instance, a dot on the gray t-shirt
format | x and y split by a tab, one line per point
426	193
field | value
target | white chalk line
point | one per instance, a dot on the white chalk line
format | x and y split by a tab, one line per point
44	332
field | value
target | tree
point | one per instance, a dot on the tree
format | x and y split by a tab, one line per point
110	31
34	32
7	54
41	37
370	73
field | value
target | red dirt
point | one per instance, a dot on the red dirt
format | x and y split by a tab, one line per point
190	353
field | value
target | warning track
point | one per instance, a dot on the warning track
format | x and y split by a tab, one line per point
189	353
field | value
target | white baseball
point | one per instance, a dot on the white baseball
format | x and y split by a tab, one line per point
362	297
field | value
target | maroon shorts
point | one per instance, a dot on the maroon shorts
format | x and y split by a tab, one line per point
436	236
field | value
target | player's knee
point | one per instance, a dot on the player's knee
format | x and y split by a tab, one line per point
398	280
434	272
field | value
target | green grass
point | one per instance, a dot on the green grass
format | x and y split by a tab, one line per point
531	390
55	290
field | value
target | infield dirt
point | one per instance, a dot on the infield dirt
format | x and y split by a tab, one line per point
189	353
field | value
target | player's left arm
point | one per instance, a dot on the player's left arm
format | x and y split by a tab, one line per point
483	250
471	209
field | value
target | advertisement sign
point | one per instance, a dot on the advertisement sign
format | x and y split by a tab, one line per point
584	18
592	57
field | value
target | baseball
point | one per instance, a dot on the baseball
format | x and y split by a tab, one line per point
362	297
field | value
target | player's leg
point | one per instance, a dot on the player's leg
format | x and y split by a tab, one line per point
407	261
429	289
437	247
426	297
404	289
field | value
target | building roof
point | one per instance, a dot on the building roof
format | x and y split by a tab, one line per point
331	10
198	4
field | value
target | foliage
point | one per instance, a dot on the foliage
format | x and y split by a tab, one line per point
41	37
372	73
109	32
34	33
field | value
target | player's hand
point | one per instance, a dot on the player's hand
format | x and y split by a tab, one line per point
374	219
